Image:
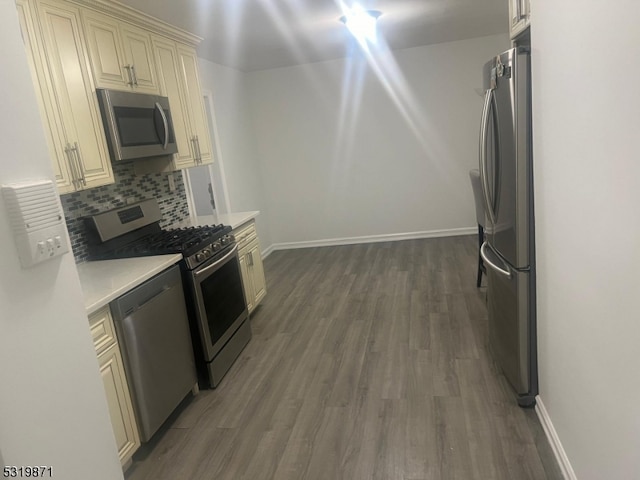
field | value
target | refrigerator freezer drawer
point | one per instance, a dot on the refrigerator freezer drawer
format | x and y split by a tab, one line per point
511	336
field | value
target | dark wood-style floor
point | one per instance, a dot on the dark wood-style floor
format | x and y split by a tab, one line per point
367	362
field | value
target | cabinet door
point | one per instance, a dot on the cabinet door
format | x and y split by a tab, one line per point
195	101
106	54
518	16
138	52
246	280
171	87
75	99
119	403
256	272
53	130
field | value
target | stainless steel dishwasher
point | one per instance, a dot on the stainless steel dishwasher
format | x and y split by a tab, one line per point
153	329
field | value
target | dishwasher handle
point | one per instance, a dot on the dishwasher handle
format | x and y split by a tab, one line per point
143	294
146	300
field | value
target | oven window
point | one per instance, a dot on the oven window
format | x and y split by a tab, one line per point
223	298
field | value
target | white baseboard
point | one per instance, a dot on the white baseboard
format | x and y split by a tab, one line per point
554	441
267	251
391	237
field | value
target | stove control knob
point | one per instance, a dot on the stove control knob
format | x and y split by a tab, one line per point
199	257
225	240
216	246
207	253
232	237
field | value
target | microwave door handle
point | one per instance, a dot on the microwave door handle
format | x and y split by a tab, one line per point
166	126
483	154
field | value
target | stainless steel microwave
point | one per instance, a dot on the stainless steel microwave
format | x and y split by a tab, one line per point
136	125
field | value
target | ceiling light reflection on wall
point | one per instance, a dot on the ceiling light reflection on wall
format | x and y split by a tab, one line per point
361	23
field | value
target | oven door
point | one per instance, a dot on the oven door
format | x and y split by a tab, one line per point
220	303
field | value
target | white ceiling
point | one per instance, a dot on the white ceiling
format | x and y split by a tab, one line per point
260	34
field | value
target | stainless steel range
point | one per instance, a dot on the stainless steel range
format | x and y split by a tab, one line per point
217	308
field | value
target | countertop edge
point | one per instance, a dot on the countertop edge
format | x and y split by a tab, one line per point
234	220
97	296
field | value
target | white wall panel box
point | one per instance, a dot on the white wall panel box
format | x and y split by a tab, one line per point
38	223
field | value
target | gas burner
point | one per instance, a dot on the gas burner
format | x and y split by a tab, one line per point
134	231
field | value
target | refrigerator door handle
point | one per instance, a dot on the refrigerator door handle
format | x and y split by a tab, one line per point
485	257
483	154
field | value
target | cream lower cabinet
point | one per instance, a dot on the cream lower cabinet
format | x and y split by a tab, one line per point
120	55
56	53
116	390
251	268
178	72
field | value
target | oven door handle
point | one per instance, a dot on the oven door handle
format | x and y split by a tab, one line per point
205	271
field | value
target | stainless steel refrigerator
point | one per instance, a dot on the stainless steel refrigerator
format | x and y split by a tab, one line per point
508	251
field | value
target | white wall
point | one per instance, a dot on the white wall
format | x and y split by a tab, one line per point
236	143
52	404
341	159
587	187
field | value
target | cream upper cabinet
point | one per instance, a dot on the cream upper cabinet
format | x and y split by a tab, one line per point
519	15
74	47
52	128
139	54
179	81
69	108
193	96
111	366
120	55
170	80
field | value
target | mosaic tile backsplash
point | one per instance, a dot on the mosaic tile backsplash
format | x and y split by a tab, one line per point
128	188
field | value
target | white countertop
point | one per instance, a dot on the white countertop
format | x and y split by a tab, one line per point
106	280
234	220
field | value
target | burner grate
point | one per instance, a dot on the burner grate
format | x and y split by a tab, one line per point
183	240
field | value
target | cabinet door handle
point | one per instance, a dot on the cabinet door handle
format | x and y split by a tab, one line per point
196	149
71	162
199	152
135	76
129	74
78	156
193	145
